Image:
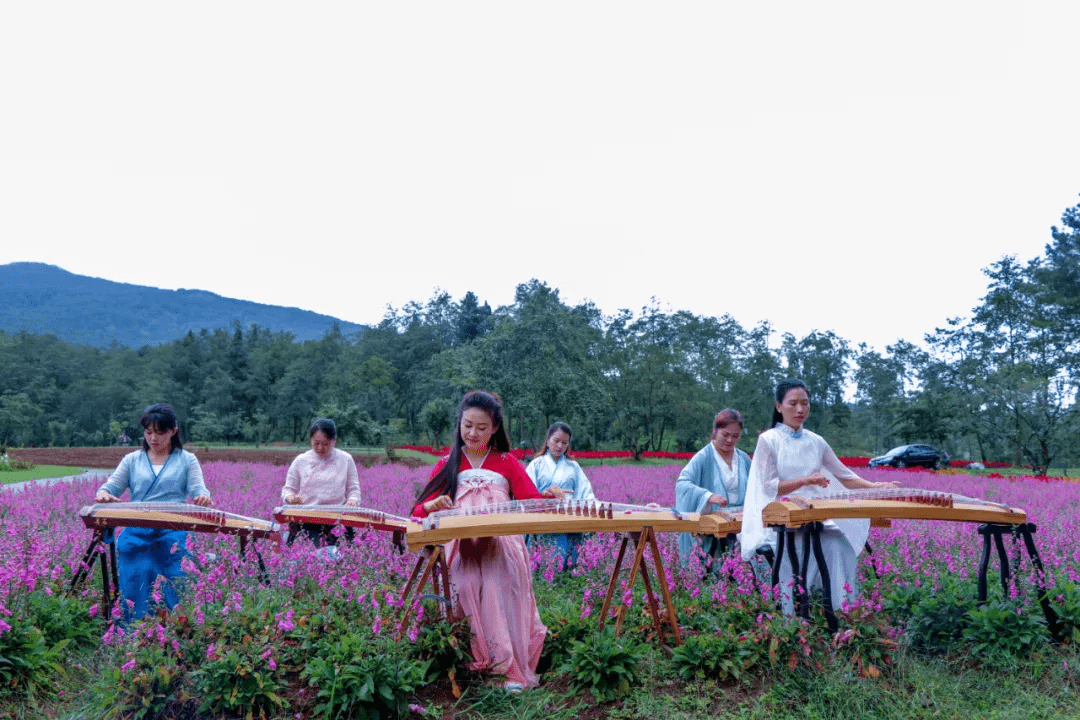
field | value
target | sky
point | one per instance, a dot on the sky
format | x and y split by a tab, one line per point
840	165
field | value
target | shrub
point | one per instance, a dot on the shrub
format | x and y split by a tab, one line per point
26	661
239	683
445	645
867	639
1066	597
141	688
1003	629
357	677
604	664
562	634
717	656
938	620
60	617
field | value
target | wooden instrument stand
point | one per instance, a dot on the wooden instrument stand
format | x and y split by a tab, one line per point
647	537
110	580
433	562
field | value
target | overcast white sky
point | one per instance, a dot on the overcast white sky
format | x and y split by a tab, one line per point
833	165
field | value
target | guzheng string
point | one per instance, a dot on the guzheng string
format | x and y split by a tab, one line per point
208	515
900	494
558	506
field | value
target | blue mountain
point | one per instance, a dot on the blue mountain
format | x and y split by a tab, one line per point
45	299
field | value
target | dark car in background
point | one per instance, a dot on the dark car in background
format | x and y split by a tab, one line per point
913	456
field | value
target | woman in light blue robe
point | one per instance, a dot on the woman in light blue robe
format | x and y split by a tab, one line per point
162	471
714	479
559	476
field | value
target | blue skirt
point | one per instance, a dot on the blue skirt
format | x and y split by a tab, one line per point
142	555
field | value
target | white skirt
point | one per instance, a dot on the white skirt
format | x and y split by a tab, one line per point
842	562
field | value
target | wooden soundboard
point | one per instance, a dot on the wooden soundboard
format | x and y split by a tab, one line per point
795	511
344	515
439	529
175	516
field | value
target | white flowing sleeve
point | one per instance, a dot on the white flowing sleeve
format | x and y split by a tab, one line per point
830	462
761	489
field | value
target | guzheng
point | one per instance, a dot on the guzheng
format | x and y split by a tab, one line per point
175	516
888	503
537	517
345	515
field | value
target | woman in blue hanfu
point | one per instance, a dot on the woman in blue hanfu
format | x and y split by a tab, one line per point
556	475
162	471
714	479
790	460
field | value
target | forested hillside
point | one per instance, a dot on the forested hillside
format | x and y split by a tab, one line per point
997	386
45	299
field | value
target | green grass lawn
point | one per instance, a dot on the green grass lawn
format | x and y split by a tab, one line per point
38	471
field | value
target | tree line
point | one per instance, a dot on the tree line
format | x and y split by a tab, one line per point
998	385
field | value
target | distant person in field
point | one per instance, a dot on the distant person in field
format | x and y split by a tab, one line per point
556	475
790	460
490	577
714	479
323	475
162	471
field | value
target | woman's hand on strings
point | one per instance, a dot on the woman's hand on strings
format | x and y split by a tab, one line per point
443	502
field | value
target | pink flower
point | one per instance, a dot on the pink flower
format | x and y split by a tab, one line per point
285	623
128	666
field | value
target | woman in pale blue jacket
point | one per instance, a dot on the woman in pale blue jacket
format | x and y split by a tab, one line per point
559	476
714	479
162	471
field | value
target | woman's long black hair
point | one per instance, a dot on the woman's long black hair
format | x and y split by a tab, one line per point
444	482
161	417
555	427
781	392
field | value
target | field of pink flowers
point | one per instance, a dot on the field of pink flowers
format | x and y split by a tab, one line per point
233	616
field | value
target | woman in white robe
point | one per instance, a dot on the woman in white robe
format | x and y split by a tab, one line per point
792	461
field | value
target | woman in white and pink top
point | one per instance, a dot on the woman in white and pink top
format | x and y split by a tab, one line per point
323	475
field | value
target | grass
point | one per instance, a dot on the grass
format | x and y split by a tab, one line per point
38	472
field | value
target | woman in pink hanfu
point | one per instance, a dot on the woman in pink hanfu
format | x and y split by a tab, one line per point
491	578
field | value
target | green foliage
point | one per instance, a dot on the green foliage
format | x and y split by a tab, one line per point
1066	600
604	664
147	684
355	676
63	618
12	464
445	648
1002	629
719	656
867	639
27	662
563	632
239	683
937	619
